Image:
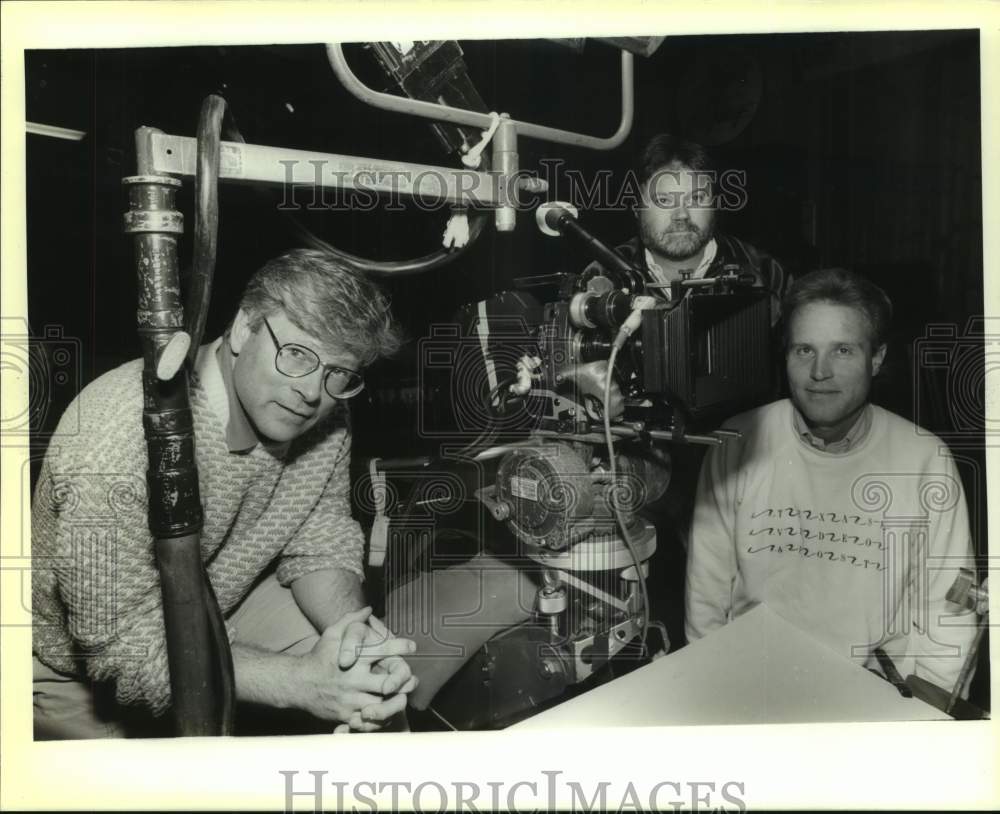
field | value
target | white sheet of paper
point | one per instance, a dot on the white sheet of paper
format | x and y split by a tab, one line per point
759	669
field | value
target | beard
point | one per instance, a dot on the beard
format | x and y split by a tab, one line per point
677	242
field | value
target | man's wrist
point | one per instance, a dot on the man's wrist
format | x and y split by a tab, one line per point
271	679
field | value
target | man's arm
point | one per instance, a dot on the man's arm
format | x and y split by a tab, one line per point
322	565
324	596
711	557
315	682
121	631
329	539
95	593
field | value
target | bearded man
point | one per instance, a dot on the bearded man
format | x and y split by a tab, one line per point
681	191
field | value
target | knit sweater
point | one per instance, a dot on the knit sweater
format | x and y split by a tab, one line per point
96	598
859	549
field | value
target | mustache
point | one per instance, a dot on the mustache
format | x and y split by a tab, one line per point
681	228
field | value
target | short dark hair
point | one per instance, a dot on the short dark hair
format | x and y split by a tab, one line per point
841	287
328	300
664	149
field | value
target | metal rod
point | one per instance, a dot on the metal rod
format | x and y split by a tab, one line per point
51	130
200	686
597	593
628	432
284	167
472	118
505	162
686	438
495	452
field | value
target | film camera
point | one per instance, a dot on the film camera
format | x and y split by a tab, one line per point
575	387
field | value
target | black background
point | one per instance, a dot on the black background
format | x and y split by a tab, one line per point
863	150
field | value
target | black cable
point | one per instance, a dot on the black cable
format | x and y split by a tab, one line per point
206	219
502	389
227	672
616	509
205	252
418	265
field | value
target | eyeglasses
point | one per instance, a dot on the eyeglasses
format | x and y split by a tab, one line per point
297	361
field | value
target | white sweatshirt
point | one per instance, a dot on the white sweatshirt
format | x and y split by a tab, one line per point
858	549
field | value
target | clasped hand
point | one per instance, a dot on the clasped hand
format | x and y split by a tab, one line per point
356	673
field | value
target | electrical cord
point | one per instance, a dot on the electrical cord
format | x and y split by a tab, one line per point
206	219
227	678
619	516
385	268
501	393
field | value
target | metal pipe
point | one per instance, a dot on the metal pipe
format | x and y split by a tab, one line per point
288	168
628	432
506	165
200	666
471	118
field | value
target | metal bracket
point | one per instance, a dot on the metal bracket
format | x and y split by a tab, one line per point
472	118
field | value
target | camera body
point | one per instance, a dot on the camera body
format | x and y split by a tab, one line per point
522	375
461	364
700	354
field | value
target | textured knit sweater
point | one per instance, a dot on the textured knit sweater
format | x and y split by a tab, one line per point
858	549
96	599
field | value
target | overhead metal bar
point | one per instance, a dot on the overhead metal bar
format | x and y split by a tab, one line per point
281	166
472	118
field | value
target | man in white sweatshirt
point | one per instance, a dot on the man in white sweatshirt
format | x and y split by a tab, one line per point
845	519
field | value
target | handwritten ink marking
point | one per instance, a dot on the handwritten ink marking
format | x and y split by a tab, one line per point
804	551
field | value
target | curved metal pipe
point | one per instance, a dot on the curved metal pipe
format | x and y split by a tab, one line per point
471	118
206	218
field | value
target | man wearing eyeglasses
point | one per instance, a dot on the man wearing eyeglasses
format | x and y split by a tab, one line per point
281	550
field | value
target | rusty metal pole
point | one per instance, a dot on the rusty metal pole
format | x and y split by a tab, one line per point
201	691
